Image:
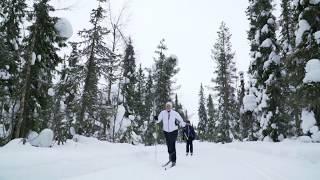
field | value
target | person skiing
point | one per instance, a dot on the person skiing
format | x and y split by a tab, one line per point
189	135
170	119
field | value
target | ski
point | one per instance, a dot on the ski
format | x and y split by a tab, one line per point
166	164
169	167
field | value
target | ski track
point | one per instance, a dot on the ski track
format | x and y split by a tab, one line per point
107	161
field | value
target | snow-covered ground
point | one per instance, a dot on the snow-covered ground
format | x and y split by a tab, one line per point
94	160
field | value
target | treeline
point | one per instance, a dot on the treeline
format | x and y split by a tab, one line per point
281	97
87	89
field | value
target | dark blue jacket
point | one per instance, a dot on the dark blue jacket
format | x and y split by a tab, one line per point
188	132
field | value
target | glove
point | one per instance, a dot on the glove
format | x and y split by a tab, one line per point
155	118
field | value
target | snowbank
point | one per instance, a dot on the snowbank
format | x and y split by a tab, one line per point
101	160
312	71
308	125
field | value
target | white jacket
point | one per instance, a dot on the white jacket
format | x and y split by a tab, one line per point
169	121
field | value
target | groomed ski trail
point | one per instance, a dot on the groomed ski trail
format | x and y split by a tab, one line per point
100	160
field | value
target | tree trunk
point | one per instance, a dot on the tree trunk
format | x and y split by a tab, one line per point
22	115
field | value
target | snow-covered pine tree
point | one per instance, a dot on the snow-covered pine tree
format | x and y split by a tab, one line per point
249	121
224	85
165	70
67	97
307	60
141	112
12	14
148	138
287	22
138	109
178	107
41	59
287	41
265	68
128	86
59	121
241	93
212	115
203	116
97	56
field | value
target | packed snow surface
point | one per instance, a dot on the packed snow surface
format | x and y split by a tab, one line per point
94	160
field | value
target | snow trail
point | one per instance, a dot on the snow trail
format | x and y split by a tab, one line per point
96	160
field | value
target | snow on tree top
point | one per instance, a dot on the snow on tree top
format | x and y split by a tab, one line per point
314	2
64	28
249	102
317	36
4	75
265	29
312	71
273	57
173	56
50	92
267	43
270	21
303	27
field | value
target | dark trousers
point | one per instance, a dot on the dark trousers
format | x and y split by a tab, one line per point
189	146
171	138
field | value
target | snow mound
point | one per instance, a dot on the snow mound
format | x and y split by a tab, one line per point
303	27
308	126
312	71
85	140
64	28
45	139
308	120
32	135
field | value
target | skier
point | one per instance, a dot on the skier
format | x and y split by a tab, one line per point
189	135
171	119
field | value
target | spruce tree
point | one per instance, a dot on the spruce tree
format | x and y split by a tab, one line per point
307	50
67	96
287	41
148	137
224	85
165	69
266	69
128	87
97	56
203	117
212	115
41	59
12	15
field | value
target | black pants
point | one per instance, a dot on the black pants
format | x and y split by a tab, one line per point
189	146
171	138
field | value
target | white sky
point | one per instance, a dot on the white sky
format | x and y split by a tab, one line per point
190	29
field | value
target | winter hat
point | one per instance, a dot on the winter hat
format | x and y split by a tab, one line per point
169	104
